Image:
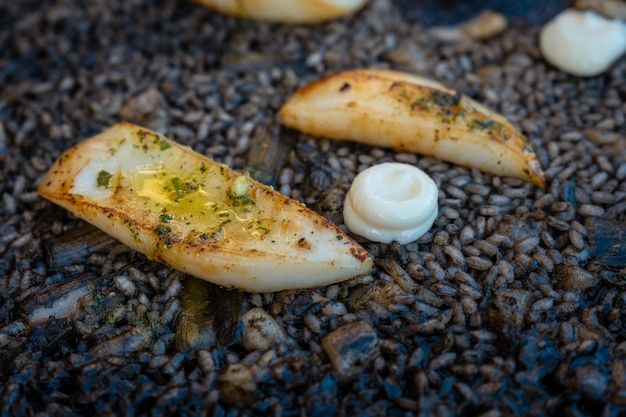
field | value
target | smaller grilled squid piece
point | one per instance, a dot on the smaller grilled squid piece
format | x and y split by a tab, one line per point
410	113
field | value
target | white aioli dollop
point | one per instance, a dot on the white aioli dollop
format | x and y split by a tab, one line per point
391	201
582	43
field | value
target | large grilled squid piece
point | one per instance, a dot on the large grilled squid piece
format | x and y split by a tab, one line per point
285	11
411	113
184	210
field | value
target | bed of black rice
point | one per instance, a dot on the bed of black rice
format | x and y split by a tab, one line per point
504	308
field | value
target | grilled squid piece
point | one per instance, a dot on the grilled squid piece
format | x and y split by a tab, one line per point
411	113
182	209
285	11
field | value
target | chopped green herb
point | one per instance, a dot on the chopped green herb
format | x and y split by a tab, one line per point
135	232
441	98
257	225
243	201
165	145
165	218
485	125
480	124
103	178
163	230
177	183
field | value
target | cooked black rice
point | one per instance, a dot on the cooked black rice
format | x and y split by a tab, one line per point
510	305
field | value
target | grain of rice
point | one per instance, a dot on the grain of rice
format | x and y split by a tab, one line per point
527	245
590	210
478	263
487	247
470	250
455	255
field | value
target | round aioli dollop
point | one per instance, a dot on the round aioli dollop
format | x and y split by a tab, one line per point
582	43
391	201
